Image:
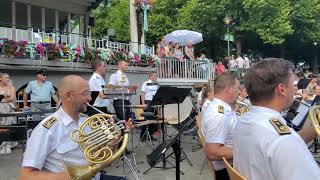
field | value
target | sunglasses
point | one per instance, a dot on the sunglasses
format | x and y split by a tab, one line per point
44	74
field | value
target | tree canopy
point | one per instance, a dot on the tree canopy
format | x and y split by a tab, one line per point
256	23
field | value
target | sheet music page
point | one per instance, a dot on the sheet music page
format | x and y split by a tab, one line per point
302	111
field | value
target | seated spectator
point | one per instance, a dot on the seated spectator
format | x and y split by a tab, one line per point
7	104
189	51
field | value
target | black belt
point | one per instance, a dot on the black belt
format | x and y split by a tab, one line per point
41	102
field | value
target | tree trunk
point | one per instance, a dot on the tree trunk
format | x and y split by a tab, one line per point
238	44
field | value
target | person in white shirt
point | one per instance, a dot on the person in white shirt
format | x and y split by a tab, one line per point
264	147
240	64
232	65
218	122
246	63
96	83
207	95
50	143
148	90
119	78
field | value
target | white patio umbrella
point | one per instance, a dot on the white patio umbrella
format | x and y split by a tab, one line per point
183	36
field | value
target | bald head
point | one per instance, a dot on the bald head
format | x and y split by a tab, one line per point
71	83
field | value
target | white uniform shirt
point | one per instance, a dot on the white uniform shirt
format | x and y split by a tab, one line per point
260	153
119	79
217	127
96	82
46	147
150	90
240	62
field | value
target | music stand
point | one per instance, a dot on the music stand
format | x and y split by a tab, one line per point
170	95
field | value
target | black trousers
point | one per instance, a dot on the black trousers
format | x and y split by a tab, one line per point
222	174
117	104
91	111
151	127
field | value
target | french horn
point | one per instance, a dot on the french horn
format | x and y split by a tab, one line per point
98	138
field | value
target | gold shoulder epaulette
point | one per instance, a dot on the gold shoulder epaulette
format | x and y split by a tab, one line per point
221	109
279	126
50	122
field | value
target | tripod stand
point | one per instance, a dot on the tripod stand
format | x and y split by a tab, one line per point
168	95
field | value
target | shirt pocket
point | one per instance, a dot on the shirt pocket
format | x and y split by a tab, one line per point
67	147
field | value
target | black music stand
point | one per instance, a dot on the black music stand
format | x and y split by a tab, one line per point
170	95
90	110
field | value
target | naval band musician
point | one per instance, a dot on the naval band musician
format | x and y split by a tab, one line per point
96	82
119	78
265	148
148	90
50	141
218	121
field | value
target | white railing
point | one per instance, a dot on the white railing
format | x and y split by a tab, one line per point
75	39
174	69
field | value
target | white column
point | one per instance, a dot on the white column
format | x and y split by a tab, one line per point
133	27
56	18
29	17
43	19
80	25
143	42
69	24
13	16
86	24
80	30
13	13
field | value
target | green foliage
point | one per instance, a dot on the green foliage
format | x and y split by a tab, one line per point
272	22
112	16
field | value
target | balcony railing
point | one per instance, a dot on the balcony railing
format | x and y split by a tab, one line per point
198	70
75	39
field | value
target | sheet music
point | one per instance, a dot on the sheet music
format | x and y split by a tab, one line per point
302	111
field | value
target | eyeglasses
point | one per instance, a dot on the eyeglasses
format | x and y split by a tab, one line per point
84	93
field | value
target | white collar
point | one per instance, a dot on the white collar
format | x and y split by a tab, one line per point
226	105
66	119
97	75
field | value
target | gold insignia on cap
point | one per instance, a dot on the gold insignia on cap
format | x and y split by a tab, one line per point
49	122
221	109
281	128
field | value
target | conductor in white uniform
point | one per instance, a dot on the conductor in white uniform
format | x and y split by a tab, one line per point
264	147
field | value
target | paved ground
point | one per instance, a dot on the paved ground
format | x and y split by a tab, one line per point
10	164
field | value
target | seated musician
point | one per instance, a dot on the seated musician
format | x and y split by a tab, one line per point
148	90
218	122
264	147
207	97
96	82
50	141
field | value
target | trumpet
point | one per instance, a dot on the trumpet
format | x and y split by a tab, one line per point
98	145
